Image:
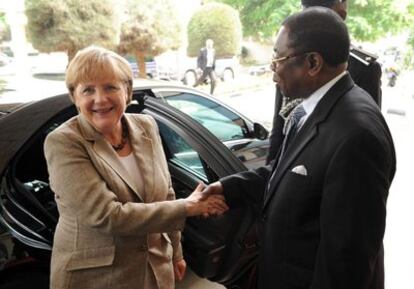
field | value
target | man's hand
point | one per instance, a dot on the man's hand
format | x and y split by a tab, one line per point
179	269
213	189
199	203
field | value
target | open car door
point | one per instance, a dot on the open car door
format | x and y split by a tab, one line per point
222	249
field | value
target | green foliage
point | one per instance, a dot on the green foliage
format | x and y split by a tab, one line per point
218	22
409	55
70	25
262	18
4	29
410	40
151	27
410	13
367	19
408	61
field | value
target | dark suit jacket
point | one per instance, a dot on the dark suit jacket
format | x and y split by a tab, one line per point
324	230
202	59
365	76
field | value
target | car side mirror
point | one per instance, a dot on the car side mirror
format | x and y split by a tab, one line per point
259	131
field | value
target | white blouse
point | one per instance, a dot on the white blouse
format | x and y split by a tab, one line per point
130	164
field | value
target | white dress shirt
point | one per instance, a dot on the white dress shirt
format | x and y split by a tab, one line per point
310	103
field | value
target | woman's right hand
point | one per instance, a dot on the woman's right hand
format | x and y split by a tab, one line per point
198	204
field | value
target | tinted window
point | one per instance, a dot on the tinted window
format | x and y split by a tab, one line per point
181	154
220	121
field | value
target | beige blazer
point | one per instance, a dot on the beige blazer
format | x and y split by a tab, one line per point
109	234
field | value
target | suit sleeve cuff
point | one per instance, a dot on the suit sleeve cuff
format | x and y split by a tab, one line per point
229	186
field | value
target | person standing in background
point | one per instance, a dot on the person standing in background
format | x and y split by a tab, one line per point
206	62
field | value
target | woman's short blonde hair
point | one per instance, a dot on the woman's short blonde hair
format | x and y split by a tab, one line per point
92	63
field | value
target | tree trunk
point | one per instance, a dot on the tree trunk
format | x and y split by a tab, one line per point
140	57
71	53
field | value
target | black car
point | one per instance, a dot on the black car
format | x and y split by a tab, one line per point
203	141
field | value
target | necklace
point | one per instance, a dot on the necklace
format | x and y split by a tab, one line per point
125	135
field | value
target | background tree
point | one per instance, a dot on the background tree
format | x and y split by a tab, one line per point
4	28
70	25
367	19
261	18
151	28
219	22
409	56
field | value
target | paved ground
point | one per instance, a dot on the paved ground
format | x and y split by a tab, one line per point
192	281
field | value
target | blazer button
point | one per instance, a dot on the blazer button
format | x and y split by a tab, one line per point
264	218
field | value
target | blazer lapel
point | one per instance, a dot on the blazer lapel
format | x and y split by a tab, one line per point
103	150
142	147
308	132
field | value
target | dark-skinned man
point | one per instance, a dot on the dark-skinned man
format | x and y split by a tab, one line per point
362	66
323	202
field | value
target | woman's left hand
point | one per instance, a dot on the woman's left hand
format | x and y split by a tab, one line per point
179	269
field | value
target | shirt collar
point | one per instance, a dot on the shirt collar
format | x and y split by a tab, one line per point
310	103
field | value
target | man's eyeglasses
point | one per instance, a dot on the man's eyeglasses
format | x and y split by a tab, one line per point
276	61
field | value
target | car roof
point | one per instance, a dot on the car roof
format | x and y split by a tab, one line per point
155	84
138	83
25	119
7	108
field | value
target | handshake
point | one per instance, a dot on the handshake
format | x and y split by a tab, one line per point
206	201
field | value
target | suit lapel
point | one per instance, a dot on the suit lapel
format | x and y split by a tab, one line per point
308	132
297	145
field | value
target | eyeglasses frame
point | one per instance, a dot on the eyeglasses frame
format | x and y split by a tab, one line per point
275	61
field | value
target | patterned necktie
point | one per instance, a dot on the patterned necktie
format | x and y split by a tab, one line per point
291	127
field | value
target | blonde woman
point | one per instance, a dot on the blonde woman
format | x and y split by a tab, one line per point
119	224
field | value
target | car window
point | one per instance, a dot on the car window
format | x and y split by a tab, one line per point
223	123
181	153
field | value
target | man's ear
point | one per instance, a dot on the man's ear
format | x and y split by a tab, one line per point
343	14
341	9
315	63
